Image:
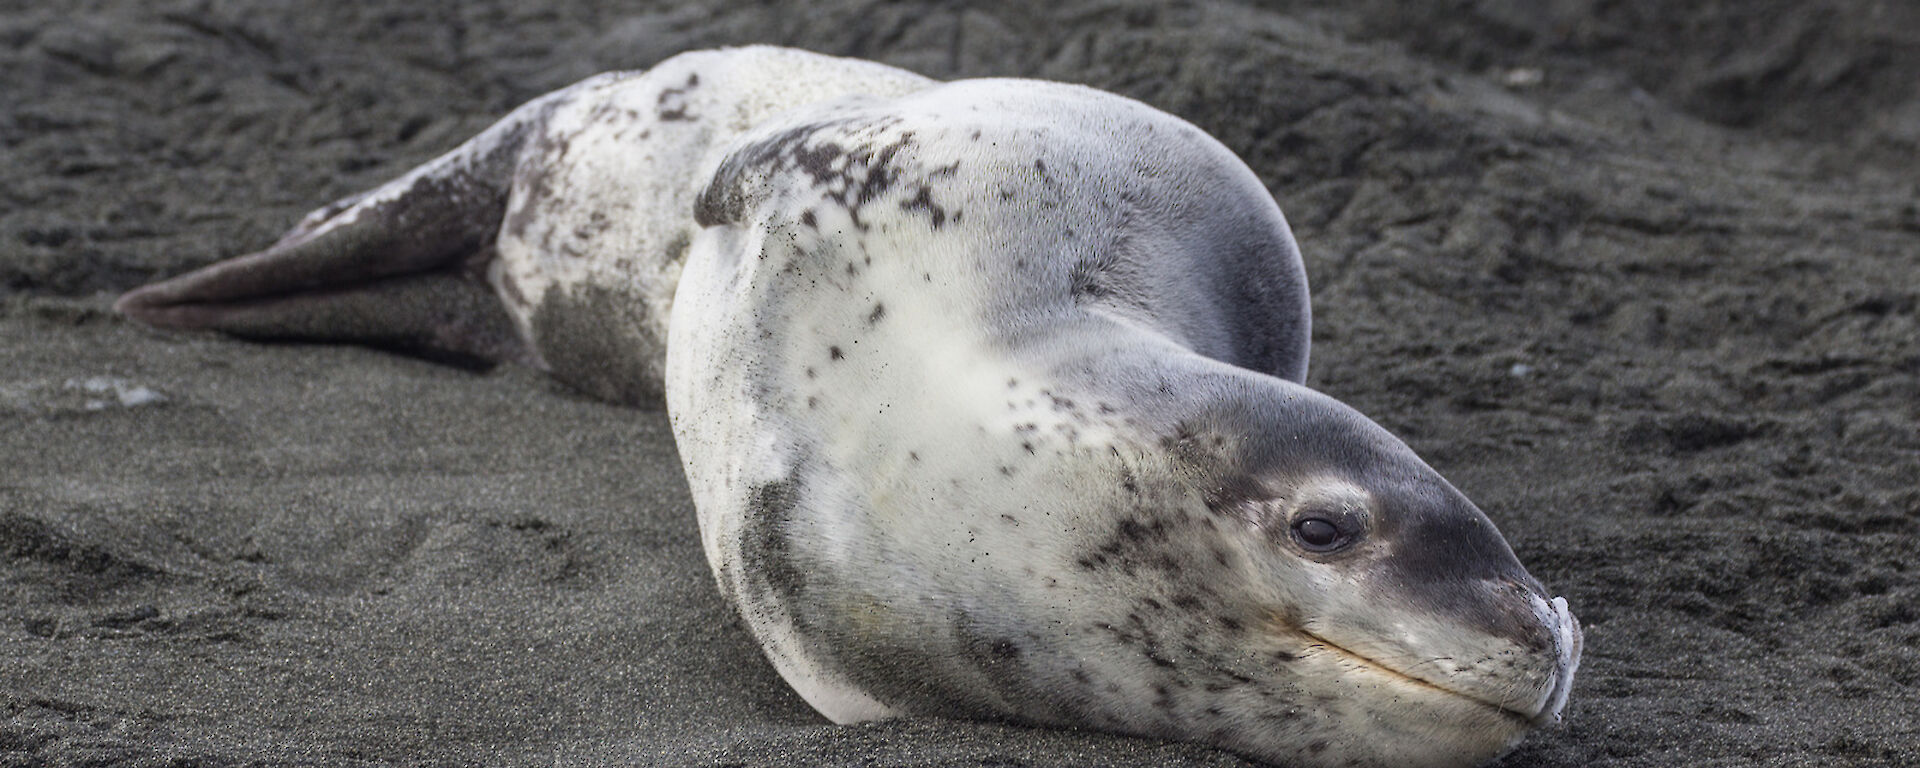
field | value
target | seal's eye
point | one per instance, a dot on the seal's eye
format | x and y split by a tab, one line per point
1318	534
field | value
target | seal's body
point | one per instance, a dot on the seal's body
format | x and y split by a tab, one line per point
988	392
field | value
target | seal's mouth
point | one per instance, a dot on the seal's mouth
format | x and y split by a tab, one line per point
1543	709
1516	717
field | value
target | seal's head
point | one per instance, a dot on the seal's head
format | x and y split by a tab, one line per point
1335	601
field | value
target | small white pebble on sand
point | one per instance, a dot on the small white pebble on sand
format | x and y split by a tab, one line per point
115	391
1523	77
139	396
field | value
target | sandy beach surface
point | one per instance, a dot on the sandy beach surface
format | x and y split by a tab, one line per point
1641	280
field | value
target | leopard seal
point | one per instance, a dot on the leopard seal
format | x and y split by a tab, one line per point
989	395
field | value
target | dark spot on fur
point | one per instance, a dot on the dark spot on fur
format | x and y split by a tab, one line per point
807	218
923	201
533	174
768	560
719	204
591	229
842	169
835	353
724	200
1110	275
1084	282
817	161
880	173
879	312
1004	648
672	103
675	251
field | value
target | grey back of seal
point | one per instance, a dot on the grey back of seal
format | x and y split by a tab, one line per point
1082	202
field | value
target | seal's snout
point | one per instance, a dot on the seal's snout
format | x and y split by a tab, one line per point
1556	654
1566	641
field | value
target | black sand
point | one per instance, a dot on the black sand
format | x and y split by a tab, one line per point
1642	280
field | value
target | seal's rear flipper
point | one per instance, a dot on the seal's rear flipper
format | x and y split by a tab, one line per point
439	315
402	266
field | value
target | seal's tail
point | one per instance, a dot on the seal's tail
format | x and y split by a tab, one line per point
399	266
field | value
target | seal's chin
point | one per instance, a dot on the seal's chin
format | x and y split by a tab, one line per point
1385	714
1527	689
1518	719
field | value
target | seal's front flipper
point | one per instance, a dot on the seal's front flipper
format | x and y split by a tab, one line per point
402	266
